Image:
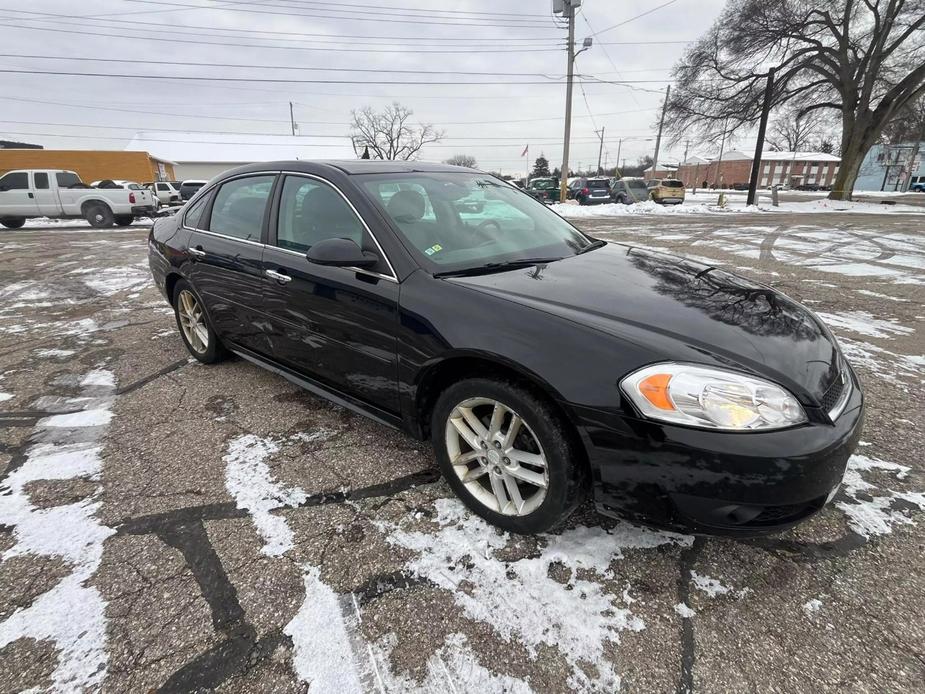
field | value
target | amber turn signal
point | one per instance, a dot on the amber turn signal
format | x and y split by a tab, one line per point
655	390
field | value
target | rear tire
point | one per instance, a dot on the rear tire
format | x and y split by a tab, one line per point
502	480
13	222
195	330
124	220
98	215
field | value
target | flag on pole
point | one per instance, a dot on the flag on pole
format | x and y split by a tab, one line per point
526	149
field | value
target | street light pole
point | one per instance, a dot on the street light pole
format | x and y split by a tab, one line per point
569	10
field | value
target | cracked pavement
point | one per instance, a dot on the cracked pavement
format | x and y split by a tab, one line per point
169	526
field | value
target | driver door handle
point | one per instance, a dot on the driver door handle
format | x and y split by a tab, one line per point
278	276
197	252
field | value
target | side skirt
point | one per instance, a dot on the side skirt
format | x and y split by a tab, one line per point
352	404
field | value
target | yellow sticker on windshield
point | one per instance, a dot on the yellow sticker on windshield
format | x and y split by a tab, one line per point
433	249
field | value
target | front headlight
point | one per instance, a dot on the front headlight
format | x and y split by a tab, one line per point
709	398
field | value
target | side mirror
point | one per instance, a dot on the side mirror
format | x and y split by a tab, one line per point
340	253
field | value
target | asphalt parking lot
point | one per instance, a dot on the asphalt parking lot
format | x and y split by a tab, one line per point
171	526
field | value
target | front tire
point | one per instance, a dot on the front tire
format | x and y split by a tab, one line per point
507	454
99	216
198	336
13	222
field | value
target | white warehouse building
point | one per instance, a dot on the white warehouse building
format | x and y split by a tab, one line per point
204	156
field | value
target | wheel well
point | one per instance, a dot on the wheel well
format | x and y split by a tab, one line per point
169	283
87	204
450	371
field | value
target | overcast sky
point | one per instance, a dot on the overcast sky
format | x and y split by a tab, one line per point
499	41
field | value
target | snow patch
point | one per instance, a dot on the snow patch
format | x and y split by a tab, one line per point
863	323
6	396
248	479
684	611
71	614
813	605
869	513
708	585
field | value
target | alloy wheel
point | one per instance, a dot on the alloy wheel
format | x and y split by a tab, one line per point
497	456
192	322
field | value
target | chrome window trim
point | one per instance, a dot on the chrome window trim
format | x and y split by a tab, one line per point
393	277
205	190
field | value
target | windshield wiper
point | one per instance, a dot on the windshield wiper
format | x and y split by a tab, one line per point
496	267
596	243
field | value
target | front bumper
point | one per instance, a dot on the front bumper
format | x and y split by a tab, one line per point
717	483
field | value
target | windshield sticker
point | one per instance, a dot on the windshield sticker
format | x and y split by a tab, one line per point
433	249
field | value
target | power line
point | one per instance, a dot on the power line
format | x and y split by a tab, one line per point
314	37
632	19
279	67
200	78
351	15
402	51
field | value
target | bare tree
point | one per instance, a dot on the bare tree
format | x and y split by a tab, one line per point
864	59
466	160
390	134
791	130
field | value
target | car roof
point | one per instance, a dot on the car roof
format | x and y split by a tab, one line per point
351	167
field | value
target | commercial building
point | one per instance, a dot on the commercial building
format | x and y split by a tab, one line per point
777	168
199	156
90	165
892	167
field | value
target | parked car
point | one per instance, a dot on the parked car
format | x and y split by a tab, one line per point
917	187
189	188
62	195
741	186
590	191
666	191
545	189
166	192
629	190
541	364
815	187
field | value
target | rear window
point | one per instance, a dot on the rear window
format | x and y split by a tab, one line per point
599	184
636	183
670	183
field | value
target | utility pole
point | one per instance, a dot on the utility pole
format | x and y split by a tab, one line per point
619	147
759	145
600	151
567	8
658	138
291	118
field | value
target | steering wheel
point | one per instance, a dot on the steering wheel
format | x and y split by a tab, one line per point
485	231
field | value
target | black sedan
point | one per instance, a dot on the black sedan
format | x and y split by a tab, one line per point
542	364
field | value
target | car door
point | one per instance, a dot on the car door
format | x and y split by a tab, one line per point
46	199
335	325
226	251
16	196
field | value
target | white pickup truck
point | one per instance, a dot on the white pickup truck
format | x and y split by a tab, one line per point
61	194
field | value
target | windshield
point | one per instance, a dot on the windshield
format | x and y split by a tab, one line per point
599	184
456	221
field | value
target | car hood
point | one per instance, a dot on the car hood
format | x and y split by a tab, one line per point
681	310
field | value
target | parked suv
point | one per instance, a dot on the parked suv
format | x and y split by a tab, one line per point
590	191
666	191
166	192
189	188
544	189
629	190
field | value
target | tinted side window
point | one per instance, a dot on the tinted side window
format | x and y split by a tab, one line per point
15	181
239	207
41	181
66	179
311	211
194	214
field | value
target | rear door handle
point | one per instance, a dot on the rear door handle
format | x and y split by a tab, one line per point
278	276
31	195
197	252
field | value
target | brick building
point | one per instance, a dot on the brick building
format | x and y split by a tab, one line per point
91	165
777	168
